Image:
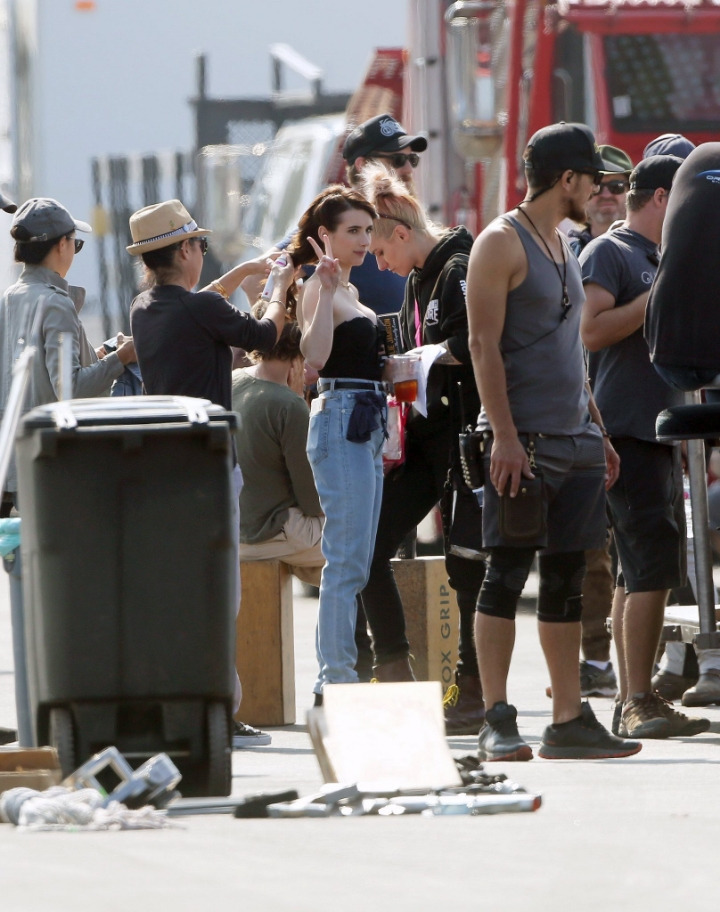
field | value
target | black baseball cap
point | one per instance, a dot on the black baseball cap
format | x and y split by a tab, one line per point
655	173
380	134
563	146
7	204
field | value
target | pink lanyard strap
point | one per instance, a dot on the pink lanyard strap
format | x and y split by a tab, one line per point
418	325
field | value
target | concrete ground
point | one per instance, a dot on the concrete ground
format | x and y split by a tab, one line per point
630	834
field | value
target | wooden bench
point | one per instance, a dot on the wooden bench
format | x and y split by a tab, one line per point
264	652
432	617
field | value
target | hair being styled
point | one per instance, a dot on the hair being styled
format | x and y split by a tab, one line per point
287	347
325	209
393	203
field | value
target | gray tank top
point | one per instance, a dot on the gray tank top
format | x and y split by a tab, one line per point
541	348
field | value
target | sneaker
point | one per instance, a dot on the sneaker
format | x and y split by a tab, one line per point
246	736
584	738
594	681
463	706
682	725
671	686
597	682
499	738
644	715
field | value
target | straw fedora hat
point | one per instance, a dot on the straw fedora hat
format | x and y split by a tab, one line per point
161	225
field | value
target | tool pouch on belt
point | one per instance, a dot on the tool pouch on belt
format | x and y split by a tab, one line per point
523	518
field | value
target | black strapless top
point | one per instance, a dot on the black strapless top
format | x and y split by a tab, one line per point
358	350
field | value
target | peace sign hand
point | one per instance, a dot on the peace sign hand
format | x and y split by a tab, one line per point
328	268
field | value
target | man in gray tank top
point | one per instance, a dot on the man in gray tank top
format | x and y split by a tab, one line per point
524	301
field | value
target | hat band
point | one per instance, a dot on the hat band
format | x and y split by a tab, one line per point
185	229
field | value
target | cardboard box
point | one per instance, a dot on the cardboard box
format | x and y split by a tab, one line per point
432	618
36	768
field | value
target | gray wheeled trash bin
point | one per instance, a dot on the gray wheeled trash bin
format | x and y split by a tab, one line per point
129	581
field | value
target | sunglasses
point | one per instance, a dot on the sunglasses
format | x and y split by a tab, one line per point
399	159
203	244
79	242
616	187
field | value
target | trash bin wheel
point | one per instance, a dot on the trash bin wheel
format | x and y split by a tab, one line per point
62	738
219	767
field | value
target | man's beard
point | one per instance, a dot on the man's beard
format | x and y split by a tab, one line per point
604	220
576	212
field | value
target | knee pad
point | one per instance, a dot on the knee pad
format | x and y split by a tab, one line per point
506	575
560	592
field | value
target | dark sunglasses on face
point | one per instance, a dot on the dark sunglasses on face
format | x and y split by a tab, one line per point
616	187
203	244
79	242
399	159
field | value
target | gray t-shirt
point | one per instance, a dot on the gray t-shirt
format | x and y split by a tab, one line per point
541	348
627	389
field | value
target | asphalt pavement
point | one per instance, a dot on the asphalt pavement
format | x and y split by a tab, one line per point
632	834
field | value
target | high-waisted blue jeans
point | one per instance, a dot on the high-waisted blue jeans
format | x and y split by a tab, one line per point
349	479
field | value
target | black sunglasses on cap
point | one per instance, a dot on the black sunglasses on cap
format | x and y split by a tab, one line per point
399	159
616	187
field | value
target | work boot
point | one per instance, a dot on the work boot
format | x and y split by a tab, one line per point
706	691
8	735
397	670
648	715
584	738
682	725
463	705
672	686
499	738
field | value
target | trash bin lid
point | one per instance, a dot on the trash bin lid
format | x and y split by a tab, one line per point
123	411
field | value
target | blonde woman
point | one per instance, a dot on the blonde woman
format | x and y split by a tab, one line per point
434	312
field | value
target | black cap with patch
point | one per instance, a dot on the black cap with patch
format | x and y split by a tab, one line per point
380	134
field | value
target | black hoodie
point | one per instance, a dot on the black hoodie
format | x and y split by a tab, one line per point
440	291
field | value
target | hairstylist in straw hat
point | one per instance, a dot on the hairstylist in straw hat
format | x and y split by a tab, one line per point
183	337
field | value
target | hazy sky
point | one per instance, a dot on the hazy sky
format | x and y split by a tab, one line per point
116	79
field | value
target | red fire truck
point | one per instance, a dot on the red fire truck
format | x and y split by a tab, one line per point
481	76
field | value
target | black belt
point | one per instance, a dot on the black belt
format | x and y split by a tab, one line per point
325	384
